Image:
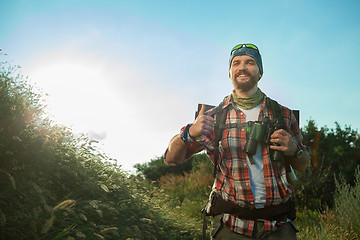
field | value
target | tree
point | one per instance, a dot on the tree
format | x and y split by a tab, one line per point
333	152
156	168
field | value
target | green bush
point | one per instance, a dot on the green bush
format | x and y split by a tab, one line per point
57	185
347	203
338	153
156	168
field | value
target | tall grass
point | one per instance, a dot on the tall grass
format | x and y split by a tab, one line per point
342	222
322	226
189	191
58	185
347	203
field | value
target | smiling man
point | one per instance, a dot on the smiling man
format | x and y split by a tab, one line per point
254	143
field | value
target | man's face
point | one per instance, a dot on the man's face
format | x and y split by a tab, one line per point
244	73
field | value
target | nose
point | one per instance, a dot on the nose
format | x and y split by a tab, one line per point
242	66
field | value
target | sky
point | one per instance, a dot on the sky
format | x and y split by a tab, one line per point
130	74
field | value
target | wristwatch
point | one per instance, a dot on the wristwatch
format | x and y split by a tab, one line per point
185	135
298	153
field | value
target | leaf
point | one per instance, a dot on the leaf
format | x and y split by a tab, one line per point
65	205
12	180
109	229
104	187
83	217
48	224
145	220
99	213
93	203
80	235
98	236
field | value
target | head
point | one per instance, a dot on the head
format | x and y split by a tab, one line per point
245	67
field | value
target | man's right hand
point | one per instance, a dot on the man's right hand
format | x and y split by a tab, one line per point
177	150
203	125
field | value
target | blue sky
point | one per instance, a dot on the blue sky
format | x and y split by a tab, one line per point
131	73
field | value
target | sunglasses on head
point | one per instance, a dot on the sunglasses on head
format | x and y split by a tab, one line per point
248	45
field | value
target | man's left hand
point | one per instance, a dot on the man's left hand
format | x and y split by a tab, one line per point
284	142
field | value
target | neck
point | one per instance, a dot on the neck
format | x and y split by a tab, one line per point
250	102
247	94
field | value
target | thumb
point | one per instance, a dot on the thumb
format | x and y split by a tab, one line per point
202	110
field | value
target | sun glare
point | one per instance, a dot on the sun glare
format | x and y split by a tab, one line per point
78	94
108	99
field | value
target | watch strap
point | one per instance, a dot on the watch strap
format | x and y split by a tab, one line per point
185	134
298	153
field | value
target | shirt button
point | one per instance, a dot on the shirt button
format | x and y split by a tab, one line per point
241	113
245	164
242	129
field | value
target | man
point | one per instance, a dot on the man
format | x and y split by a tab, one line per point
255	182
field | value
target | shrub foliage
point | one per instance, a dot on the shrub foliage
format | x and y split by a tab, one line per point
333	152
57	185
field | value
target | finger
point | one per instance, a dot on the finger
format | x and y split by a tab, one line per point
275	134
277	142
277	148
283	132
202	110
278	132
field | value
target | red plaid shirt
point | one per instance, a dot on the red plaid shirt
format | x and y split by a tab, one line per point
232	179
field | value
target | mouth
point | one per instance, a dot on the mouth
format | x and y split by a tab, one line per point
242	75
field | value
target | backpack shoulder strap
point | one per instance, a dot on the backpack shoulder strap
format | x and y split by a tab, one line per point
221	114
274	107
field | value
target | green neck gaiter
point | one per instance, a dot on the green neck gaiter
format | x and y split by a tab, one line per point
248	103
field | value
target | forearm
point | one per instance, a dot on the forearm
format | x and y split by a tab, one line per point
176	151
300	164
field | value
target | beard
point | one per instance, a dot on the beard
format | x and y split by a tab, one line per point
245	86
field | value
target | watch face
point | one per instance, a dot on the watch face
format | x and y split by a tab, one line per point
299	153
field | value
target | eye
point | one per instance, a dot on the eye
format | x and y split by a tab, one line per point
234	63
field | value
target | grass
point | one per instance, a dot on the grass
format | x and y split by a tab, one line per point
322	226
57	185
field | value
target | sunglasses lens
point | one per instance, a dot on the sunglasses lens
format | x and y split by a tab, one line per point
244	45
237	47
251	46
